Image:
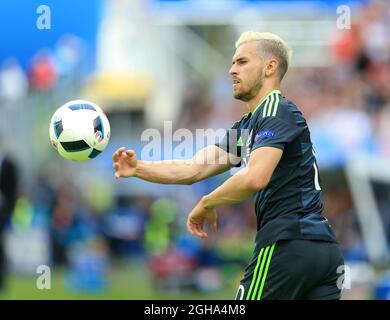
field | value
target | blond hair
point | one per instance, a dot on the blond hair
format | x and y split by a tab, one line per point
270	45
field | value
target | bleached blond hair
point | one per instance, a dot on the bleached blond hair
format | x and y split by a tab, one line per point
270	46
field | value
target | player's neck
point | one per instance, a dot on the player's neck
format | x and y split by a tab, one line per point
262	94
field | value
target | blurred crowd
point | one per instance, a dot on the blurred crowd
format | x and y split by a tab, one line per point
64	66
347	106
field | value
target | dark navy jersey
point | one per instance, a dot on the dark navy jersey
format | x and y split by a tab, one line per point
290	207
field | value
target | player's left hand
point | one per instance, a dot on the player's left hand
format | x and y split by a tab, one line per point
197	218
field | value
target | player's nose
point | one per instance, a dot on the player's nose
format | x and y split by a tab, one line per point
233	70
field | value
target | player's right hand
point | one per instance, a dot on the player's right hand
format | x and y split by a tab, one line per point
125	163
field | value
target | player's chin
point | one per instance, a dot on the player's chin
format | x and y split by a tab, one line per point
237	94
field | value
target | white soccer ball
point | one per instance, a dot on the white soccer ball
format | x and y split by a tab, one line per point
79	130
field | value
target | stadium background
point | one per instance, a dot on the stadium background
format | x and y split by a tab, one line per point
149	61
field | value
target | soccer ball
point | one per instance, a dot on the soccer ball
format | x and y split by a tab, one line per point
79	130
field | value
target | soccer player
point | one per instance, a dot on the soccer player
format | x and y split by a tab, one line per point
296	254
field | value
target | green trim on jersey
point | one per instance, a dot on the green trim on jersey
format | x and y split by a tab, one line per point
266	98
267	109
276	105
258	275
266	104
272	108
239	142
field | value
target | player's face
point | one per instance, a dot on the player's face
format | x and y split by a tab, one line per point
247	71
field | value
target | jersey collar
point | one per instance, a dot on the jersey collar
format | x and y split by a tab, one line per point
262	101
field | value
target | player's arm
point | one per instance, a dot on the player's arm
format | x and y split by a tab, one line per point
208	162
254	177
273	133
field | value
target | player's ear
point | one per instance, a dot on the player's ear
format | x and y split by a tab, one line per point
271	67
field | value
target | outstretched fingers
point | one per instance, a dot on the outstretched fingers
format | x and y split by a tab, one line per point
213	226
116	168
196	229
117	153
130	153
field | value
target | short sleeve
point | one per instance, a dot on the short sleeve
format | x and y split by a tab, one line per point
274	132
